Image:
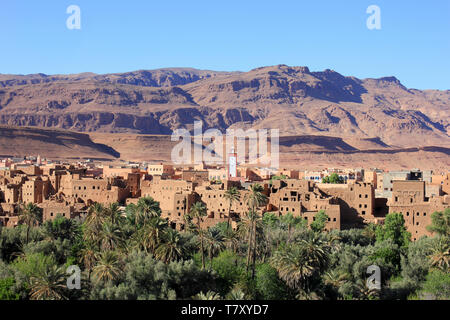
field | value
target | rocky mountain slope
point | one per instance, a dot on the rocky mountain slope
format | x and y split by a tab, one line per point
292	99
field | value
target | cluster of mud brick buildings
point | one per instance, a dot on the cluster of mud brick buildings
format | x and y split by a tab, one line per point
366	196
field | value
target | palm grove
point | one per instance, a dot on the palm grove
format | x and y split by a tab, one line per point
135	254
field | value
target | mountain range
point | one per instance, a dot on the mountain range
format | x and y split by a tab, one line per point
295	100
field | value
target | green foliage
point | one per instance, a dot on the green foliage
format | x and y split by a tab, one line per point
270	219
6	289
268	285
62	228
229	268
321	218
436	286
144	277
440	223
394	229
280	177
33	264
333	178
136	255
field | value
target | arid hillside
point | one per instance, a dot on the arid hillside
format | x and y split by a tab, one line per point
294	100
51	143
302	152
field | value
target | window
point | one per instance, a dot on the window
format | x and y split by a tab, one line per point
363	212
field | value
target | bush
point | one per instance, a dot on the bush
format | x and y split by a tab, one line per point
268	285
229	268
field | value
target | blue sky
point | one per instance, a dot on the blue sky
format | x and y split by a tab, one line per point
117	36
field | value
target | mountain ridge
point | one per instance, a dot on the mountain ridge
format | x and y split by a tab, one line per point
293	99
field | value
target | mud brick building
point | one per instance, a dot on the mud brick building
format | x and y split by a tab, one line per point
303	199
408	198
356	200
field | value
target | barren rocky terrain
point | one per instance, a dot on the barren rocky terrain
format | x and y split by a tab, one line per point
323	117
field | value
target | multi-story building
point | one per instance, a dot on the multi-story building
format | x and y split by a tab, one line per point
357	201
408	198
302	199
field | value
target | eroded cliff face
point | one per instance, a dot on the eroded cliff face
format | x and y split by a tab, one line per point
292	99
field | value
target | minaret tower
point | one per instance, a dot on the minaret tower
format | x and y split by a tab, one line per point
232	164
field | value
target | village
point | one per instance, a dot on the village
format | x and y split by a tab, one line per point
356	198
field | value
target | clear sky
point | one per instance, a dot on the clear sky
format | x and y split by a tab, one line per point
117	36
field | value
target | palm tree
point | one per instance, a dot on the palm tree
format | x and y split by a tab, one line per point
111	236
88	258
236	294
130	213
171	247
31	215
114	214
230	238
291	221
296	263
50	285
210	295
440	253
214	242
255	198
94	221
365	293
146	209
197	212
108	266
335	279
232	195
149	236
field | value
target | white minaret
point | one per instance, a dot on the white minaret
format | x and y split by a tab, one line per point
232	164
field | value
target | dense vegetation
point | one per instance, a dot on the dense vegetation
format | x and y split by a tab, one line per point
333	178
136	255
